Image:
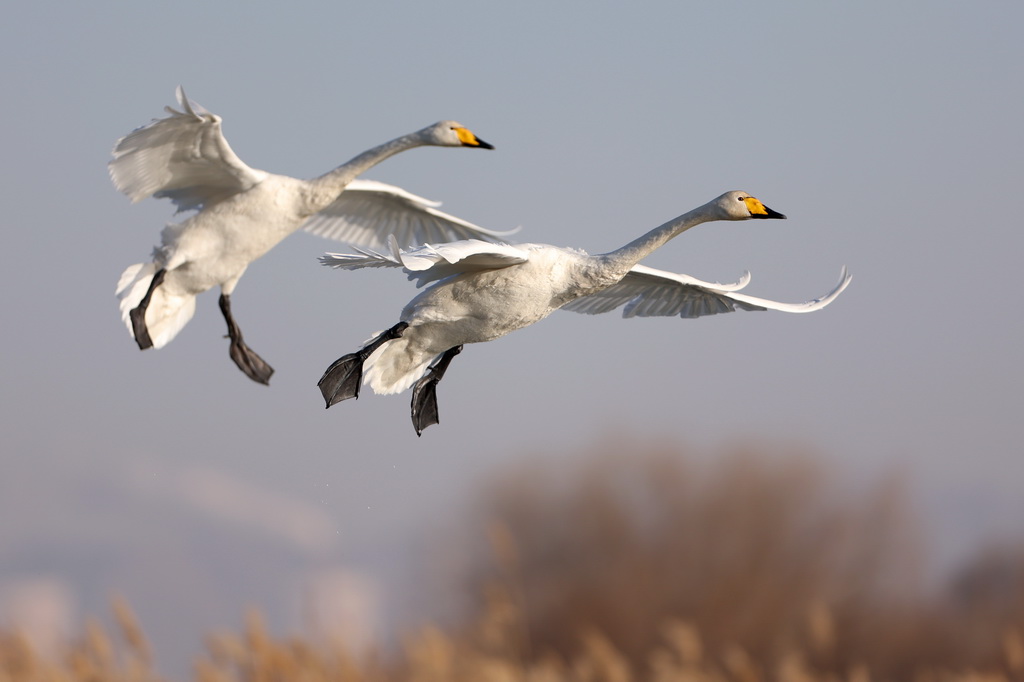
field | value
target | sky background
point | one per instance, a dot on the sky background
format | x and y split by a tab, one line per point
889	133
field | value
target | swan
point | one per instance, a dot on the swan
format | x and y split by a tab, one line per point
482	291
243	212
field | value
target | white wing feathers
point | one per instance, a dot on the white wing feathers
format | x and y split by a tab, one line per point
183	157
647	292
429	263
368	212
363	258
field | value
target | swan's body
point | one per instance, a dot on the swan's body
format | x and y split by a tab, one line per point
483	291
244	212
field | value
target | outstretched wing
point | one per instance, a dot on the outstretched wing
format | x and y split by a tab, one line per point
183	157
429	263
646	292
367	213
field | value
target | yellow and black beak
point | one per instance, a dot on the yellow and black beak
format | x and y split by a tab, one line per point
759	210
468	139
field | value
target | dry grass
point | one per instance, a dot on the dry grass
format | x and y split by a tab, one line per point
490	656
648	568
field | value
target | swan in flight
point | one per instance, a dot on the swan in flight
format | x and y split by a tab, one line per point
482	291
243	212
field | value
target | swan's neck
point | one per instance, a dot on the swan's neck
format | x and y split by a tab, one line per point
619	261
326	188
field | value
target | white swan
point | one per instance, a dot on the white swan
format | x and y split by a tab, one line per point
483	291
244	212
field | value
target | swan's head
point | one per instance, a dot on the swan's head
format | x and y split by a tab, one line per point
453	134
737	205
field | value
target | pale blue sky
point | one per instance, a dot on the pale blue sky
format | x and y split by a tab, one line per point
889	133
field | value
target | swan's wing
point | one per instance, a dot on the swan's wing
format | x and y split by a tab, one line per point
368	212
647	292
183	157
466	255
363	258
641	281
428	263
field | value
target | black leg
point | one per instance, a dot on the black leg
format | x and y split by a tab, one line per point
138	313
341	380
246	358
424	393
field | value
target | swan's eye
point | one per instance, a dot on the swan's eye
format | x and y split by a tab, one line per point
741	198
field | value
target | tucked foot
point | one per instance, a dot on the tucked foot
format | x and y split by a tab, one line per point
342	379
424	393
255	367
137	315
138	318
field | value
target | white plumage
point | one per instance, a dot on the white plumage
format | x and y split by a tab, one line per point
481	291
243	212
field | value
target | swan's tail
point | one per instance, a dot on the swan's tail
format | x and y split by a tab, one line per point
166	313
395	366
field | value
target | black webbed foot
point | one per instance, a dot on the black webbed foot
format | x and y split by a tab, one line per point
254	367
137	315
342	379
424	393
138	318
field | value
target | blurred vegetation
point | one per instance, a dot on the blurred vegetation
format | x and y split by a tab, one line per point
652	567
754	556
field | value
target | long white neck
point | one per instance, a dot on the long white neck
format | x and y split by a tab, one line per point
622	259
326	188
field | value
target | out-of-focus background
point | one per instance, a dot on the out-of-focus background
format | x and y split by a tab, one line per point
879	440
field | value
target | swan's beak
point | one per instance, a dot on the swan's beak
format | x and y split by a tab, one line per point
468	139
759	210
769	213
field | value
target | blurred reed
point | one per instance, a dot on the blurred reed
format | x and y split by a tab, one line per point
650	567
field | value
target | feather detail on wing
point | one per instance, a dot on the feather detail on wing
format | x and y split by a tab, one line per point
367	213
183	157
646	292
363	258
429	263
